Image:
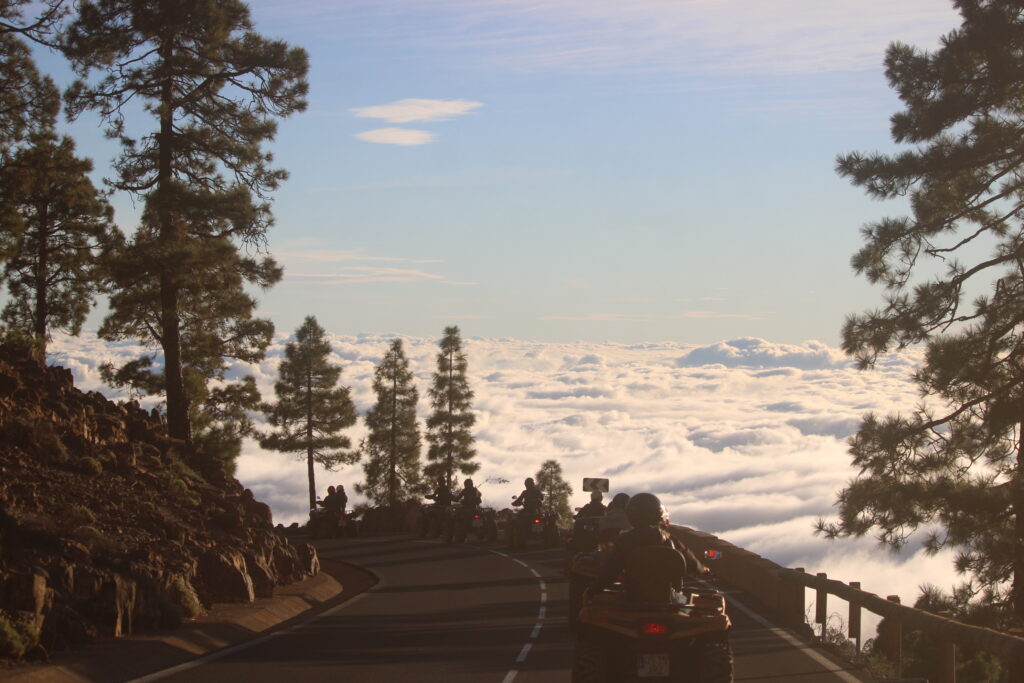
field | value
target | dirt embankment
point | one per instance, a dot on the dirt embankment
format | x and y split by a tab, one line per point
108	526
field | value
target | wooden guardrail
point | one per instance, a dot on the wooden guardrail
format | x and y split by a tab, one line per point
780	591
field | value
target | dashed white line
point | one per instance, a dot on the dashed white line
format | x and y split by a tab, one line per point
522	653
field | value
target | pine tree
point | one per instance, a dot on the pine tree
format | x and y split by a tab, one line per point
214	88
448	427
27	98
310	411
953	462
62	224
392	447
556	490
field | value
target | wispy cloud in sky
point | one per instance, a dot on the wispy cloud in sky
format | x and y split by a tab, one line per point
397	136
364	274
783	36
409	110
341	255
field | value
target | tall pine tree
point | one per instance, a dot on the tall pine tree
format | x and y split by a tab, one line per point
955	461
311	410
392	447
448	427
556	490
214	88
61	226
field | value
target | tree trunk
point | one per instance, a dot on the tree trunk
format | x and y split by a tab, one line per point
450	469
1018	514
42	309
309	439
178	425
393	475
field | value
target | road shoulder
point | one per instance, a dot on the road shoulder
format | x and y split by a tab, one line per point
223	626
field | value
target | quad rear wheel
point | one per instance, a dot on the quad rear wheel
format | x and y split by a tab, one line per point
590	662
715	660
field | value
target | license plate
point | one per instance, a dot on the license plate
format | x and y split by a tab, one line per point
537	528
652	666
477	523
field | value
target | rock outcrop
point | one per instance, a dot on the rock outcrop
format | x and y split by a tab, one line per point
108	526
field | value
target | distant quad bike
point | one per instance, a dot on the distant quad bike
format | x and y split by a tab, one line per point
526	527
435	521
478	523
330	524
645	629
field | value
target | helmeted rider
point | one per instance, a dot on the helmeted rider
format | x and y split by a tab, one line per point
530	498
442	495
469	496
647	516
332	502
342	497
615	518
595	508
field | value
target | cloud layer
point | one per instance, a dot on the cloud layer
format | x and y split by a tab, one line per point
405	137
744	438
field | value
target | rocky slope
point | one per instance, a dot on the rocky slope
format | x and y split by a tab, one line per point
107	526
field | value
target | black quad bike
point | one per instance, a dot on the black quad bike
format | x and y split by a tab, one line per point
525	527
477	523
645	628
328	524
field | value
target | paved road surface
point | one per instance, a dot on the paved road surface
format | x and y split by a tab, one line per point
463	614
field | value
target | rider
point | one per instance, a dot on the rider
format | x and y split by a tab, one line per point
530	498
647	516
332	502
442	495
615	518
595	508
469	496
342	498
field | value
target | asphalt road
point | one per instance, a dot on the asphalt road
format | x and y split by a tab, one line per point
464	613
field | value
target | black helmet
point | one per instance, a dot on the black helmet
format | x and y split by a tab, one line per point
644	509
468	483
529	483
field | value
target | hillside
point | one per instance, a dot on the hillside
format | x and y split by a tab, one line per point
108	527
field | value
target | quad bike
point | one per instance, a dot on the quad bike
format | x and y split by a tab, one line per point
651	626
526	526
584	538
474	521
328	523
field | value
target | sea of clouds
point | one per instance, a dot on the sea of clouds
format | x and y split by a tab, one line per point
744	438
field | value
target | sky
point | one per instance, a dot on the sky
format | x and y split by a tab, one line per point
564	170
631	211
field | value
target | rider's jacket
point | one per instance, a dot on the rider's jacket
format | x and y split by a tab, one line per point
530	500
333	502
470	497
591	509
442	497
628	541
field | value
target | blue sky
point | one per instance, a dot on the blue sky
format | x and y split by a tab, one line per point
578	169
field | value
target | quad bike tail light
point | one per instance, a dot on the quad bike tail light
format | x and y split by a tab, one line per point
655	628
536	521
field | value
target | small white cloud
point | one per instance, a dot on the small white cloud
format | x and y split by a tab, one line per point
361	274
397	136
408	110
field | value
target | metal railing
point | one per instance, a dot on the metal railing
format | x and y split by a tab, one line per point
781	593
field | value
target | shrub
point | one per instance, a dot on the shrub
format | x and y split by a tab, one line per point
17	636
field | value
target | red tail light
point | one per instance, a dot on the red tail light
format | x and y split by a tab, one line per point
536	521
655	628
476	516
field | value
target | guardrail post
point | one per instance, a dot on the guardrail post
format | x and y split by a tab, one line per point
892	638
853	623
793	609
821	604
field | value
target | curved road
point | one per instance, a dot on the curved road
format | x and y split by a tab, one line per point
463	613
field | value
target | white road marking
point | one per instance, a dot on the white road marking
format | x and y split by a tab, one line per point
522	653
818	657
541	615
510	676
